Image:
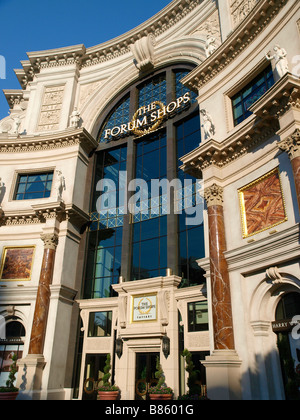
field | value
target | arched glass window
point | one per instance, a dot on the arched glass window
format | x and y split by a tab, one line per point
288	307
117	117
154	124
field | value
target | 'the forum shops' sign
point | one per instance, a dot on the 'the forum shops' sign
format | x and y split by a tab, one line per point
147	118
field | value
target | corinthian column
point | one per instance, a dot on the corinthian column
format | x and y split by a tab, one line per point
221	297
39	325
223	365
291	145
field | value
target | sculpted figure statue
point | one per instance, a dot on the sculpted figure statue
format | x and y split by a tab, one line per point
75	118
17	123
1	186
2	191
210	46
281	62
60	185
208	125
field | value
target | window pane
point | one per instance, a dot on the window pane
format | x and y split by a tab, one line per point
34	186
250	94
197	316
100	324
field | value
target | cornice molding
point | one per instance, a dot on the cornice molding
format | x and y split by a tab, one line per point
44	142
40	213
236	145
82	57
279	99
248	30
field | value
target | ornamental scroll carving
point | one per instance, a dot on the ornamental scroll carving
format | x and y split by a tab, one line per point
143	52
273	274
164	302
214	195
123	311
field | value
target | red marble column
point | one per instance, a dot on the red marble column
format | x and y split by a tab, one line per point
296	171
220	284
39	325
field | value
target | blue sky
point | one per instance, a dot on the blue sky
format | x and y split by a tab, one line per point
36	25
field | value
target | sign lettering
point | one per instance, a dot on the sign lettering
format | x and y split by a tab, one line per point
147	118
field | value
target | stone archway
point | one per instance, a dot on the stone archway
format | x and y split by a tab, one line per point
263	305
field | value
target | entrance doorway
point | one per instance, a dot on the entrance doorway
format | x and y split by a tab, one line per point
288	344
94	371
145	374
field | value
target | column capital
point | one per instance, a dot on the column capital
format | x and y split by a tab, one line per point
214	195
291	145
50	240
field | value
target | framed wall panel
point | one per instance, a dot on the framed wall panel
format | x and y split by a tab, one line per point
262	204
16	263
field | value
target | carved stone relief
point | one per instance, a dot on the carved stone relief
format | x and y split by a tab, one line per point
240	9
210	27
51	108
86	91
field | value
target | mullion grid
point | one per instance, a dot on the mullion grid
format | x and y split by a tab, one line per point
42	193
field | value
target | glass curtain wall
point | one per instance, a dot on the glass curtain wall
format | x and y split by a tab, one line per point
191	236
142	240
106	229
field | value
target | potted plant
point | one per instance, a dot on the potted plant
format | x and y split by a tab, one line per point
195	391
160	391
10	392
108	391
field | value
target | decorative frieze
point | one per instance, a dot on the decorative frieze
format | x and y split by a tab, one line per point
211	27
240	9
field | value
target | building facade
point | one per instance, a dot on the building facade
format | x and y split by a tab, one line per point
149	203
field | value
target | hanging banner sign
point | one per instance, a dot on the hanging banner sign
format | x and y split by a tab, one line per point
147	119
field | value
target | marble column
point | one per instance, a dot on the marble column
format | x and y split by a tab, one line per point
291	145
39	325
223	365
220	284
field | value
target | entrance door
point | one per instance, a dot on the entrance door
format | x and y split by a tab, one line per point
94	371
145	374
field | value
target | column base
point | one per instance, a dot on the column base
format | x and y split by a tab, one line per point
223	375
30	375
